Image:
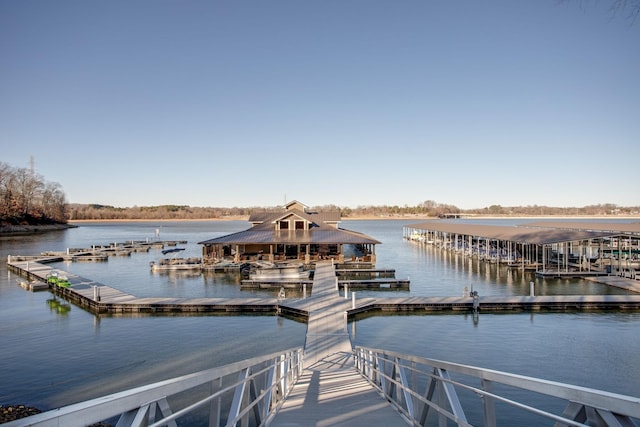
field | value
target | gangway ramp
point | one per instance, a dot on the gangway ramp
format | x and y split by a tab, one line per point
330	391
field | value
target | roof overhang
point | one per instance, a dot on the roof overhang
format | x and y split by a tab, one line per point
539	236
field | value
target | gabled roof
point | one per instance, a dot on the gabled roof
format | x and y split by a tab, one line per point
293	203
295	212
322	231
312	216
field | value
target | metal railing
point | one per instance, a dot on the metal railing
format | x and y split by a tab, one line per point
243	393
434	392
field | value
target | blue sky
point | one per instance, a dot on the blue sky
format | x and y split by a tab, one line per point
352	103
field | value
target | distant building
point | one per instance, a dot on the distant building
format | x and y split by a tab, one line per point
295	233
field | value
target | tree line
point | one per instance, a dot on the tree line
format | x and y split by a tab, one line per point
26	196
425	209
176	212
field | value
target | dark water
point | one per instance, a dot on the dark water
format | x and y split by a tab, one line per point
52	357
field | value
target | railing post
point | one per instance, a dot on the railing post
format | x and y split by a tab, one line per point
488	404
374	366
406	387
238	395
449	392
215	408
283	375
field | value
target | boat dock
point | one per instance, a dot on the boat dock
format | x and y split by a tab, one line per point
103	299
551	249
379	284
100	298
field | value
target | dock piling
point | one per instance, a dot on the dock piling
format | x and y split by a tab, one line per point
532	289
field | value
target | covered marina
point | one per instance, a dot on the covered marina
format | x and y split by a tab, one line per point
548	248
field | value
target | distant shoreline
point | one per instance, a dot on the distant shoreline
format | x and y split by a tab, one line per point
230	218
17	230
372	217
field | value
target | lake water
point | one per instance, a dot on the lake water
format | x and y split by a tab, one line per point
51	357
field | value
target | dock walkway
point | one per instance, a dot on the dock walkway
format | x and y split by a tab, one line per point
330	391
102	299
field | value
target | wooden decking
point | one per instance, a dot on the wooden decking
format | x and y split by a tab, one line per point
618	282
99	298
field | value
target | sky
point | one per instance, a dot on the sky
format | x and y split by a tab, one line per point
334	102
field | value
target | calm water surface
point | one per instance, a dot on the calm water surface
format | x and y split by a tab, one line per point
51	357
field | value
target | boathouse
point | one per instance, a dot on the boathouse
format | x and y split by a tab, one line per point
558	248
294	233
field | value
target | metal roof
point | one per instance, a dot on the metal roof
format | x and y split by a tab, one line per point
537	236
263	232
318	235
315	217
631	227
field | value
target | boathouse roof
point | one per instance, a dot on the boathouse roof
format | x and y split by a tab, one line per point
627	228
537	236
318	228
315	217
324	235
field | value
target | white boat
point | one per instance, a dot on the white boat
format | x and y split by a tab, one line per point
280	272
177	264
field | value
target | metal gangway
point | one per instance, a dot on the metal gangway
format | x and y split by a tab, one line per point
421	391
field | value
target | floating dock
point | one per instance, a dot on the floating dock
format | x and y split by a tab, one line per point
102	299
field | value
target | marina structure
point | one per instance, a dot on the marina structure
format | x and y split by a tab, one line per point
559	249
295	234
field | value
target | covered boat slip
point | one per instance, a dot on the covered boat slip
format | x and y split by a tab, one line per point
256	245
549	248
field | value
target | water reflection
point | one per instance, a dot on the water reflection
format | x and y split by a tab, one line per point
59	306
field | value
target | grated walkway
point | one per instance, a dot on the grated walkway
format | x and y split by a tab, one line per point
330	391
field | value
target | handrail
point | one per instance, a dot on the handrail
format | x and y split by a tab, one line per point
424	390
421	388
241	392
